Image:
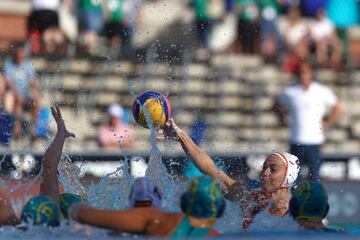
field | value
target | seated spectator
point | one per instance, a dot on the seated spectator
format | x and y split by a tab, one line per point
248	27
324	36
115	134
68	20
132	19
204	22
294	31
24	84
270	39
117	28
7	110
309	206
7	96
44	24
91	22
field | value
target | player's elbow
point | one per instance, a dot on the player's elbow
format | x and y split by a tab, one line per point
277	108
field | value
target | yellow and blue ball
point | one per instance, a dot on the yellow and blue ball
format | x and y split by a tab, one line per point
41	210
66	199
151	109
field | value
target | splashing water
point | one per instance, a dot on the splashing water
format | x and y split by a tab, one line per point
156	170
68	177
112	193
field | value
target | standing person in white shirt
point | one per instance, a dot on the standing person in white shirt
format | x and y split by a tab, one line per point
312	107
294	31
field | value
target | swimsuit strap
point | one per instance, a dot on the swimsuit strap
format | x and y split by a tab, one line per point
262	200
185	229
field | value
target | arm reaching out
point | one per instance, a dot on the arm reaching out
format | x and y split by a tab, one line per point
201	160
133	220
234	190
49	185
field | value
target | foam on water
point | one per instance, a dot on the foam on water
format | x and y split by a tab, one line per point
71	184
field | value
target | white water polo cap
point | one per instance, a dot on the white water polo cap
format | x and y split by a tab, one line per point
292	168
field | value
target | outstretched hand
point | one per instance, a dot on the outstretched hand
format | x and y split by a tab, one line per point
61	128
170	131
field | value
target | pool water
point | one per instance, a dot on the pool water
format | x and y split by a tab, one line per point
112	193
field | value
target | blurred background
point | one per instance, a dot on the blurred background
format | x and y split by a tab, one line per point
222	63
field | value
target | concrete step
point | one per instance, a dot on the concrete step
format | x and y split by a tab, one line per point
236	61
197	71
338	135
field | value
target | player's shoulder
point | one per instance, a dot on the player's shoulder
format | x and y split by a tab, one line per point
322	89
292	87
320	86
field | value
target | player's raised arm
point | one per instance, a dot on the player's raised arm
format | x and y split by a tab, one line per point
201	160
49	185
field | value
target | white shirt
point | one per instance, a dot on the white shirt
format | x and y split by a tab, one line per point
46	4
294	33
322	30
307	109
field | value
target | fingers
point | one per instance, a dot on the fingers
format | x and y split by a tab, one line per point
171	120
60	122
55	111
70	134
58	111
169	123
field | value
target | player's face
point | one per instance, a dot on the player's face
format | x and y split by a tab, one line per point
306	74
20	55
273	173
114	120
